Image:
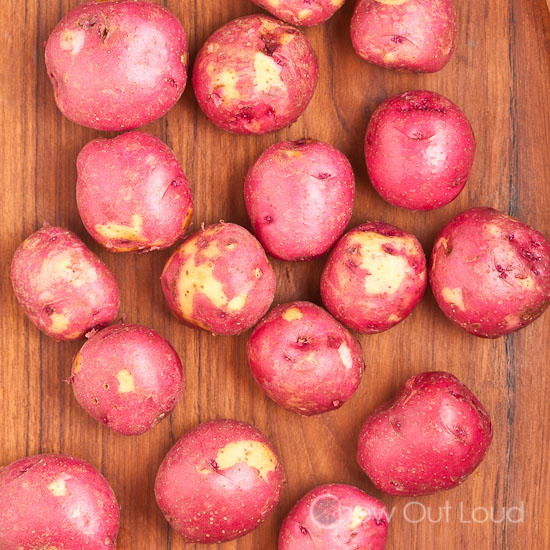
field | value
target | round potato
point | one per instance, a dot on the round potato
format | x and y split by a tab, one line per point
304	13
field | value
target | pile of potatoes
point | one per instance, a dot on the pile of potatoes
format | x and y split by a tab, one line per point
117	65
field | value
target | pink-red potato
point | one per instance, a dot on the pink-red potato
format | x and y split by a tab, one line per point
64	288
419	149
117	65
132	193
304	359
219	280
56	502
305	13
335	517
255	75
490	273
299	197
219	482
127	377
430	437
374	277
408	35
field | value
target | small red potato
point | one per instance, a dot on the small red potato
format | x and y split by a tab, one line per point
127	377
430	437
419	150
417	36
490	273
117	65
299	196
304	359
219	482
374	277
335	517
64	288
132	193
56	502
219	280
305	13
255	75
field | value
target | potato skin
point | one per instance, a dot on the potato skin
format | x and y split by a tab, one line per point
304	359
419	150
219	280
374	277
490	273
299	197
132	193
117	65
255	75
430	437
408	35
303	13
56	501
335	517
127	377
63	287
219	482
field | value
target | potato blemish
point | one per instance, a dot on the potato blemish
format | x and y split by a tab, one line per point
125	381
267	74
454	297
254	454
303	14
58	488
226	80
77	364
72	41
133	232
392	2
59	322
358	515
345	355
292	314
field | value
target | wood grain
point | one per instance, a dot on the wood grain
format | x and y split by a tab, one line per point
500	76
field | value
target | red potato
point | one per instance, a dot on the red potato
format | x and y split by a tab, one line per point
304	13
374	277
219	280
304	359
56	502
430	437
255	75
117	65
219	482
419	150
299	196
335	517
132	193
408	35
127	377
64	288
490	273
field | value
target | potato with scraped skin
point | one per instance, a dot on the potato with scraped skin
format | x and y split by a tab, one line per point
63	287
219	280
54	501
408	35
374	277
255	75
304	359
490	273
219	482
127	377
305	13
132	193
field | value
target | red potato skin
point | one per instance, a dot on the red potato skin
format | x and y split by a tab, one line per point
407	35
419	150
299	197
304	359
55	501
304	13
127	377
219	280
335	517
63	287
429	438
117	65
255	75
209	494
374	277
132	193
490	273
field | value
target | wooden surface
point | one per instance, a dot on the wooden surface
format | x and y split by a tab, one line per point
499	75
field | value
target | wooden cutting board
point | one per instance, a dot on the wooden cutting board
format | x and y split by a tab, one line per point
499	75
